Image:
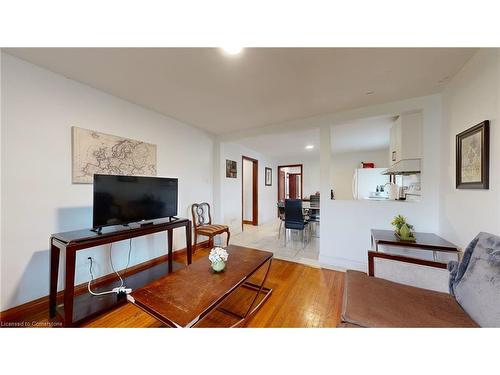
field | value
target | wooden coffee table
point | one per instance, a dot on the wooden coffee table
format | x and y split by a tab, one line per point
184	298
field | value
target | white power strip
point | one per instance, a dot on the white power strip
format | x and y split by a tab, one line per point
121	289
117	290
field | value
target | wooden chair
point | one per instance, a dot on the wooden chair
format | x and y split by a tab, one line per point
202	223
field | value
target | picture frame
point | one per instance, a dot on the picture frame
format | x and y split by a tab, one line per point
269	176
231	169
472	157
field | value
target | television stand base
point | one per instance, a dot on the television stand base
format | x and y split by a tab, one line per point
97	230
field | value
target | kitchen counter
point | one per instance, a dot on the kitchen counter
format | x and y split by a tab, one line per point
389	200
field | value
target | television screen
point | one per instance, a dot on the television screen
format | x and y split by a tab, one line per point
128	199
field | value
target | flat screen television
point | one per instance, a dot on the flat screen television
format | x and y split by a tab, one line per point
120	200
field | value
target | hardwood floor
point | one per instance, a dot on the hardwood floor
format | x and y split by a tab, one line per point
302	296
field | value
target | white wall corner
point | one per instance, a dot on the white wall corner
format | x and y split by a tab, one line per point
217	177
324	161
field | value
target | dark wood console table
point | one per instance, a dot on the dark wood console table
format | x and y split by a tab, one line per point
423	241
73	241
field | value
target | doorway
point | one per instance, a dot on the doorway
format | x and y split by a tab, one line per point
249	191
290	182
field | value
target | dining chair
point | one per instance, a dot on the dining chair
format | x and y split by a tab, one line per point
281	215
314	212
294	218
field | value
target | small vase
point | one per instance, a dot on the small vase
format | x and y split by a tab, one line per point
218	266
404	231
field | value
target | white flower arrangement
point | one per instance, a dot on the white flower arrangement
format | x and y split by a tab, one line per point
218	254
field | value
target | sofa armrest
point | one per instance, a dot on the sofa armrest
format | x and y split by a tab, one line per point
420	273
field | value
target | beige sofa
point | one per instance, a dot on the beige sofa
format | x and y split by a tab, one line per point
473	285
374	302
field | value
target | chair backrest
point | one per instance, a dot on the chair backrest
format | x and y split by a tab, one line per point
314	199
293	211
475	282
281	210
201	214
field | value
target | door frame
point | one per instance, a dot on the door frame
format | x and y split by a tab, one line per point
255	191
301	179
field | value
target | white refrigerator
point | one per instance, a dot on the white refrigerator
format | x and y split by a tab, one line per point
365	181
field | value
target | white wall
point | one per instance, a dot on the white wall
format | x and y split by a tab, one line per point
472	96
247	190
345	225
38	110
312	177
344	164
230	188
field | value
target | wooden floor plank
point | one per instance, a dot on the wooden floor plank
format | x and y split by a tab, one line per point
302	296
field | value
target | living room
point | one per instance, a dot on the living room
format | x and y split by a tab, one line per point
203	186
67	206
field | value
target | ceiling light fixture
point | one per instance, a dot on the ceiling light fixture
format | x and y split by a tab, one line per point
232	50
370	92
309	147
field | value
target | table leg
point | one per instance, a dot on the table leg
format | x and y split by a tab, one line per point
69	288
170	239
259	290
54	276
189	249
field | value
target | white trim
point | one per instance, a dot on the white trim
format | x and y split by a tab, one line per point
341	264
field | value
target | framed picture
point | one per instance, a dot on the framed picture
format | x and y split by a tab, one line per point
472	157
231	169
269	177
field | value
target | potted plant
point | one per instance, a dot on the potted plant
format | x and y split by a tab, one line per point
402	229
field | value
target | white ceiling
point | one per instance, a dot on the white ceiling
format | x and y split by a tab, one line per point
262	86
361	135
284	146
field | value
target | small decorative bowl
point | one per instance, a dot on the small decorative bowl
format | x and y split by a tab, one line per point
218	266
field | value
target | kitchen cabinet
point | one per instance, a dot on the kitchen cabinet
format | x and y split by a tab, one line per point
406	138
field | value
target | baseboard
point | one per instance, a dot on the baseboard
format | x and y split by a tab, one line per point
341	264
37	306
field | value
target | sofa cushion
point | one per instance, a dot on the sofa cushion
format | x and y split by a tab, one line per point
374	302
475	282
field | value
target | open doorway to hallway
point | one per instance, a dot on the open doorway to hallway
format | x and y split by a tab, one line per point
290	160
249	191
290	182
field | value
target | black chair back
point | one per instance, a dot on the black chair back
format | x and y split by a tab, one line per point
294	218
281	210
314	199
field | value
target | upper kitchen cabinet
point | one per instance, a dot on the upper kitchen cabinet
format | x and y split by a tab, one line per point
406	138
